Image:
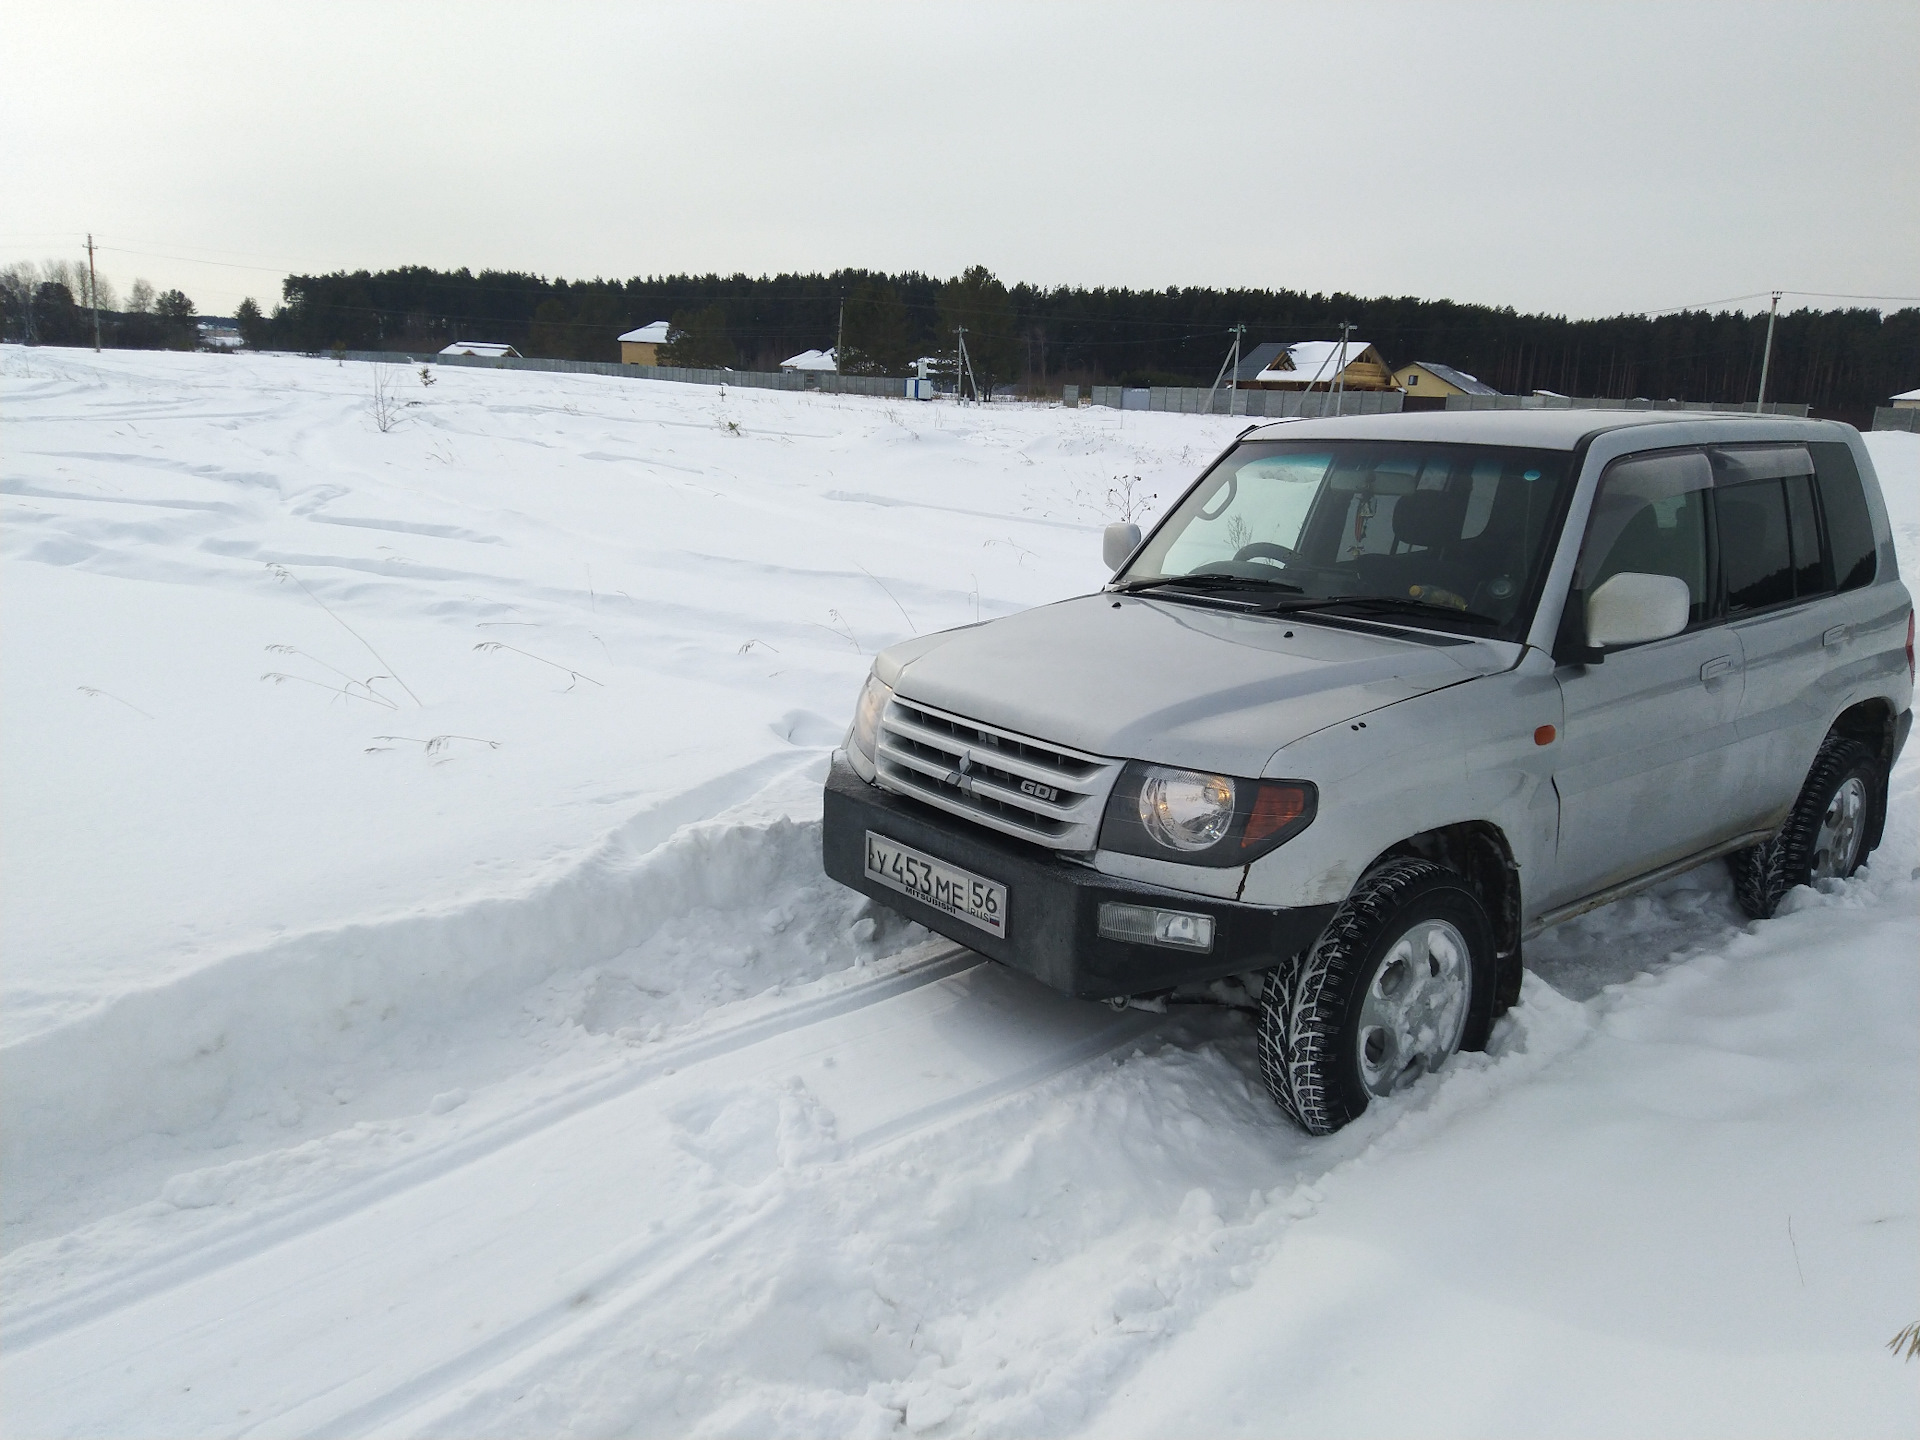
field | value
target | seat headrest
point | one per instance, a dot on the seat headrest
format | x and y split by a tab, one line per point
1429	517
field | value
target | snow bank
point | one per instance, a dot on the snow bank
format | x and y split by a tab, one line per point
171	1057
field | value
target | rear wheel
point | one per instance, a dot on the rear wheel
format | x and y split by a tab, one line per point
1829	832
1400	979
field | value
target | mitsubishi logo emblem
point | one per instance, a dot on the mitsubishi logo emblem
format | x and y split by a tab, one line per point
961	775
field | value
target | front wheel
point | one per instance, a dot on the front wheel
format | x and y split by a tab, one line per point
1400	979
1829	832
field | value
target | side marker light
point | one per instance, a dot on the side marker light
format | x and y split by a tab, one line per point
1544	735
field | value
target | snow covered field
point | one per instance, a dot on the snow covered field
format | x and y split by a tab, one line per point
452	1033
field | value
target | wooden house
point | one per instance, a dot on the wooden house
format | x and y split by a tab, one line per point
642	346
1314	365
1430	380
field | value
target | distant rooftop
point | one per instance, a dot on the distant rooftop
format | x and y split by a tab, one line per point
1471	384
1315	360
485	349
811	360
654	332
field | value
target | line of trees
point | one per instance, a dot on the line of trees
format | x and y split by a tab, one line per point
1031	337
53	304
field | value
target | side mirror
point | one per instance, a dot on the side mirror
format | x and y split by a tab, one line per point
1118	543
1632	608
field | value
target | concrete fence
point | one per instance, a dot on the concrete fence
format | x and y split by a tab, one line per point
1169	399
1568	402
824	381
1887	417
1273	404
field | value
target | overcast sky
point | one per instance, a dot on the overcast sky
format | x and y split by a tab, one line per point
1571	158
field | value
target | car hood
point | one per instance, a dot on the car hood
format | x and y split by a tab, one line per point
1149	679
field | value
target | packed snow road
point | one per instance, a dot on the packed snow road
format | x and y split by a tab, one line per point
538	1083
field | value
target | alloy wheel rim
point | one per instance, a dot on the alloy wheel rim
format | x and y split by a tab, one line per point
1836	845
1414	1007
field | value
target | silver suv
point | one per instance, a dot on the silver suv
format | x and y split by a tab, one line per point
1381	698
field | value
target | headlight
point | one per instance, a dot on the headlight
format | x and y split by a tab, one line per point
1199	818
1185	810
867	711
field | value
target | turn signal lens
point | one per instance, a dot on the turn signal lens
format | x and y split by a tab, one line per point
1184	809
1274	808
867	711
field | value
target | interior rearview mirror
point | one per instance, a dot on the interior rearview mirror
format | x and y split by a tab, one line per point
1632	608
1118	543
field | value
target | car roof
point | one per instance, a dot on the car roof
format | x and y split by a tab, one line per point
1555	429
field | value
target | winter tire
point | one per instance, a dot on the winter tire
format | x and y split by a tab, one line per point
1401	978
1832	828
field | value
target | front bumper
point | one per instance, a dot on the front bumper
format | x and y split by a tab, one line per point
1053	905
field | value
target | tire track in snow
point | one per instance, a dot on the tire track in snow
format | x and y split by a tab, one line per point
523	1237
180	1265
630	1281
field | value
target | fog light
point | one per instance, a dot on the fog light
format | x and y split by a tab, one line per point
1144	925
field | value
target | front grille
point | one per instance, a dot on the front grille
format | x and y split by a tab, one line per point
1007	782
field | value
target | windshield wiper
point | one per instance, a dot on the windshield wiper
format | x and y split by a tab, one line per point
1208	582
1402	603
1295	599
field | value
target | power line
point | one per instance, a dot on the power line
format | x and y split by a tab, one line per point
1764	294
1831	295
1703	305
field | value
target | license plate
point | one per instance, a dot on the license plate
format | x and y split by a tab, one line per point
959	893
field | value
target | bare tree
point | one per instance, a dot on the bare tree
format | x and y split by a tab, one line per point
87	288
18	283
140	298
388	408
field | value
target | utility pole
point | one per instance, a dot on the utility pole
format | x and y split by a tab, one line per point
93	294
840	334
1340	376
1767	358
1231	370
962	366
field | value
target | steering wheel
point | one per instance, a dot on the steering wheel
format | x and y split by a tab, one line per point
1261	550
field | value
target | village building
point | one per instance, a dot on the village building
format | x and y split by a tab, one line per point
1429	379
642	346
1313	365
812	360
484	349
1907	400
218	334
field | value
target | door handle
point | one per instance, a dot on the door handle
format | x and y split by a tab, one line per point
1716	667
1835	637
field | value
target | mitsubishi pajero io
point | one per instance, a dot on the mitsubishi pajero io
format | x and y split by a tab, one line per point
1379	699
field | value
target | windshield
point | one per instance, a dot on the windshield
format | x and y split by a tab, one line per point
1449	536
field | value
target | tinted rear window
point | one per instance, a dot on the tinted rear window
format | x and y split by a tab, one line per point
1844	503
1754	552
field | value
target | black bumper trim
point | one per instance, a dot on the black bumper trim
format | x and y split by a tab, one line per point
1053	904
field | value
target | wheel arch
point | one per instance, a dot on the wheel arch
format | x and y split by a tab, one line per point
1479	851
1871	722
